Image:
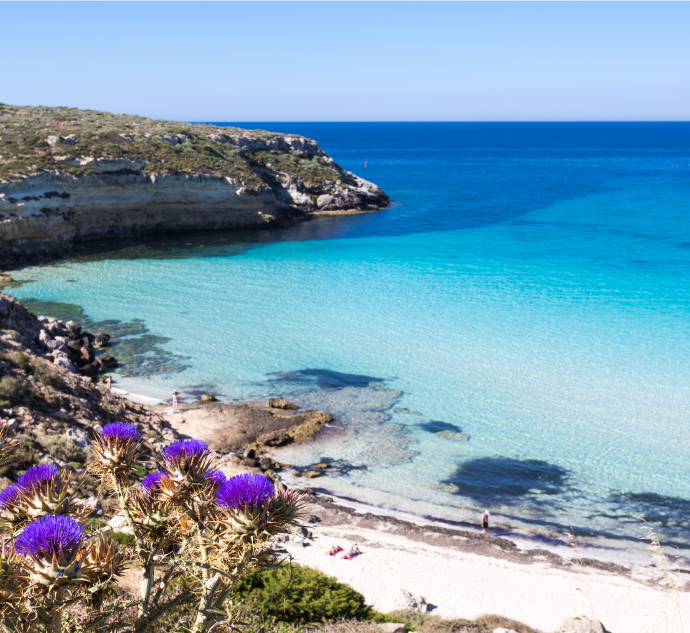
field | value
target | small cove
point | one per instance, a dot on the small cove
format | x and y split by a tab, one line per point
512	333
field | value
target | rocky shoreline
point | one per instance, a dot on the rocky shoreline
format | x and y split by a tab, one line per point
54	403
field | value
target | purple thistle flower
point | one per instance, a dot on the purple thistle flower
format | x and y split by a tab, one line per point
186	449
245	491
9	494
36	475
121	432
151	481
216	477
42	537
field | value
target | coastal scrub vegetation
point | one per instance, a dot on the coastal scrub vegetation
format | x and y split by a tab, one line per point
35	139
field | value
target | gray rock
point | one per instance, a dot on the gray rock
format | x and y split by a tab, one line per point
61	361
407	601
13	425
53	141
324	200
581	624
44	336
78	436
69	140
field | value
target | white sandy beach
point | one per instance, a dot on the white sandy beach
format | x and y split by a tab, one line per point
465	585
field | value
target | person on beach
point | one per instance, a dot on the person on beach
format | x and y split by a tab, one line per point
176	397
485	521
108	382
334	550
354	551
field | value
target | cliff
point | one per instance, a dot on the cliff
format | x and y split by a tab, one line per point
69	175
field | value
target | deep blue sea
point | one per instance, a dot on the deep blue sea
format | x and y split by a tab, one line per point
513	333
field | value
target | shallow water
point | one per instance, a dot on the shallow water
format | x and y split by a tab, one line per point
511	333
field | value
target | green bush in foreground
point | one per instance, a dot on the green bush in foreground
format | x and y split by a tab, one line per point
299	594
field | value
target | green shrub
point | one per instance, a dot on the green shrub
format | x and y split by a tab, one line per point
16	391
61	448
300	594
123	539
140	471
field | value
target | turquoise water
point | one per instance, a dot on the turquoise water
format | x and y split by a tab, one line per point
528	288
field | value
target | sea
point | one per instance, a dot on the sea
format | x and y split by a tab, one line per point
511	334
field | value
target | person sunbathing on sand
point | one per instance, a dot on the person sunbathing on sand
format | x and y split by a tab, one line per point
334	550
354	551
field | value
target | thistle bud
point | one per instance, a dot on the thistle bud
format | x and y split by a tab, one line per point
116	447
8	575
102	560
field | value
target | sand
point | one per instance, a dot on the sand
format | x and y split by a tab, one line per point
534	587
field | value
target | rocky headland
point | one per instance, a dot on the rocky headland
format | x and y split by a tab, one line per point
69	175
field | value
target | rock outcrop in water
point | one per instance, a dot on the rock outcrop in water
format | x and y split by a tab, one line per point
69	175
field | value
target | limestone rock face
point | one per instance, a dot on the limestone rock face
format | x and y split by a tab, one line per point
52	211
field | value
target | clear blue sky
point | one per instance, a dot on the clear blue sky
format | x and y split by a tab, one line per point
355	61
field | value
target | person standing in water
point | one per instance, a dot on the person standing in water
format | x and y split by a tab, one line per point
485	521
176	397
109	383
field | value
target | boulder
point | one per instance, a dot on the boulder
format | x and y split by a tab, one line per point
406	600
90	371
312	474
61	361
207	397
87	354
69	140
581	624
44	337
108	362
102	340
53	141
249	453
274	438
277	403
75	346
73	327
265	463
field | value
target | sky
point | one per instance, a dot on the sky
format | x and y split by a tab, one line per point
351	61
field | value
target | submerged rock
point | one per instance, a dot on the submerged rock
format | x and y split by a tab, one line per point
277	403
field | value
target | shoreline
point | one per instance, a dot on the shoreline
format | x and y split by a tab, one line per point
604	550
